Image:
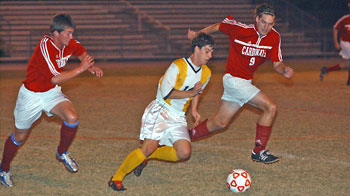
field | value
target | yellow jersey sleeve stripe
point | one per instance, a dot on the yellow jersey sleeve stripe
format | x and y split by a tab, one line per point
206	73
180	77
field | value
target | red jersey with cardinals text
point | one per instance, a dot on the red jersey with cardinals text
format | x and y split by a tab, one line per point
343	26
248	49
48	61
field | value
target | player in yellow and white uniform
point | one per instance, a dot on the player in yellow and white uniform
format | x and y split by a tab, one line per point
164	128
182	75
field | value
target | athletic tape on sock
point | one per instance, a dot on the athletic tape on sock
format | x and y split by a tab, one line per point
14	141
71	125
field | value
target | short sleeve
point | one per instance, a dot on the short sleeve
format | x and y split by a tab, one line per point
227	26
77	48
169	80
276	53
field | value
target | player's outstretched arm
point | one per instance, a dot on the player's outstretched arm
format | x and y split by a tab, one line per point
282	69
195	113
96	71
93	69
335	39
177	94
207	30
87	62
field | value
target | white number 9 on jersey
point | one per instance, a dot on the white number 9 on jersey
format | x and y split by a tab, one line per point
252	61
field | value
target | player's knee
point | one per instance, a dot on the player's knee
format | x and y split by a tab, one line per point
19	136
184	154
220	124
272	108
71	118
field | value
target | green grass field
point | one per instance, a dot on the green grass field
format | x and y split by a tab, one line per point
311	135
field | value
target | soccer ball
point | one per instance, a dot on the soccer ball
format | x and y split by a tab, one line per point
238	180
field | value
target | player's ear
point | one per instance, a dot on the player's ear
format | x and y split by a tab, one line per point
56	33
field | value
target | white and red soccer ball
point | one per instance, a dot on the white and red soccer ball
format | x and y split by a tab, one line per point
238	180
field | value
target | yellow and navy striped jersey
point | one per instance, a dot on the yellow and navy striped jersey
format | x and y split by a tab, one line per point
181	75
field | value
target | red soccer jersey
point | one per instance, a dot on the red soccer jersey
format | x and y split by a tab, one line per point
248	49
343	26
48	61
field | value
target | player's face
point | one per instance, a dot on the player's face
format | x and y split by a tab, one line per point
65	36
205	54
265	23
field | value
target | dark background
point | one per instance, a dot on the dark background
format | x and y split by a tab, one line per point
328	11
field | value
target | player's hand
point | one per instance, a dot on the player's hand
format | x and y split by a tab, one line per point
196	117
288	72
191	34
96	71
337	46
197	89
87	63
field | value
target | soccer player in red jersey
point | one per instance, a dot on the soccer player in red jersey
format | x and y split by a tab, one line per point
250	46
40	92
342	27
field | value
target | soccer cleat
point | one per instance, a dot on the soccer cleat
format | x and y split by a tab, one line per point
116	185
264	156
138	170
68	161
323	72
5	177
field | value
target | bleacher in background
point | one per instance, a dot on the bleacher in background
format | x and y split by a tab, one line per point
135	29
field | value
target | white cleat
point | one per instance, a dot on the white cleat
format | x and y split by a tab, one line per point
6	178
68	161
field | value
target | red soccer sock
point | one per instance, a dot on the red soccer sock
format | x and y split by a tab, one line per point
10	150
333	68
68	132
200	130
261	137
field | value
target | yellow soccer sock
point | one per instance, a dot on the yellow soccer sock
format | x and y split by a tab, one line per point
165	153
134	159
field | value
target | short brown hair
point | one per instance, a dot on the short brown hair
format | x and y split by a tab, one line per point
61	22
264	8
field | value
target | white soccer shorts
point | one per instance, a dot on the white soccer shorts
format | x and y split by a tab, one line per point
345	49
161	123
29	105
238	90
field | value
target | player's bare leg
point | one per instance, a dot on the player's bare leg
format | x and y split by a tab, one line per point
263	127
223	117
65	111
267	106
226	111
183	149
149	146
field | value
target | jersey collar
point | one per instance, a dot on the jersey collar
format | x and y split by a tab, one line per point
189	62
257	32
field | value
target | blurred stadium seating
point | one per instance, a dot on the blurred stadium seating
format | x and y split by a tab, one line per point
144	29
